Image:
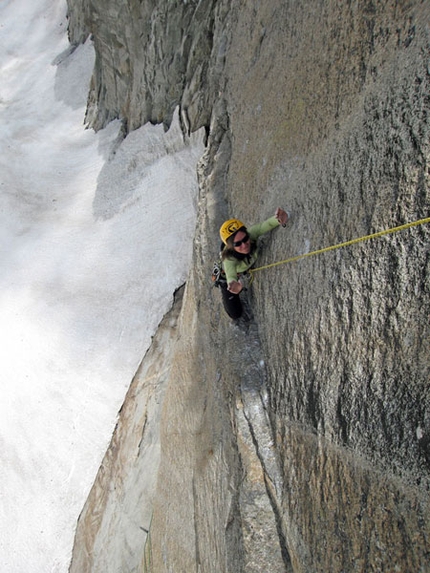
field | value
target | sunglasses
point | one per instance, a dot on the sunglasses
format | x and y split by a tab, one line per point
243	241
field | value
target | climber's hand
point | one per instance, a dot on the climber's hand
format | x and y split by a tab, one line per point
234	286
282	216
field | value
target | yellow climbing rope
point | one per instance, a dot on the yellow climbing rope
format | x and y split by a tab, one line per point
345	244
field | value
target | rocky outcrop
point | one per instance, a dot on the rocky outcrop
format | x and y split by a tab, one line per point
299	441
115	521
151	57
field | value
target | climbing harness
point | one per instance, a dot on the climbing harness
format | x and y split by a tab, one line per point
219	278
345	244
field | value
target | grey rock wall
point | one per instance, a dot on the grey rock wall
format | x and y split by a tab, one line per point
299	442
151	57
116	518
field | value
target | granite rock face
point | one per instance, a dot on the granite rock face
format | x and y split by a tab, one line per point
151	57
300	440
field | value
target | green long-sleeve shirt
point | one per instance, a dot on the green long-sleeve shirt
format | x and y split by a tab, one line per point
234	266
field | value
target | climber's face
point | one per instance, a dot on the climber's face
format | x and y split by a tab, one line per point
241	243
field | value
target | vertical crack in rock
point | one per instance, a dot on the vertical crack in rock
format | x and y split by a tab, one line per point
257	432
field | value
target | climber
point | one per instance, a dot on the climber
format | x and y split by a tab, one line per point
239	253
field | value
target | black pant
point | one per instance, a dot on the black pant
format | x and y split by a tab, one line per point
232	303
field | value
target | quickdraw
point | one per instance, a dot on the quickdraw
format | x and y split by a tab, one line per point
218	274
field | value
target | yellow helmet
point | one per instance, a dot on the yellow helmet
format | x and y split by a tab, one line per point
229	228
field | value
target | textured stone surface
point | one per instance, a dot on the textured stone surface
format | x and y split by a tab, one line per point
301	441
151	57
116	518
